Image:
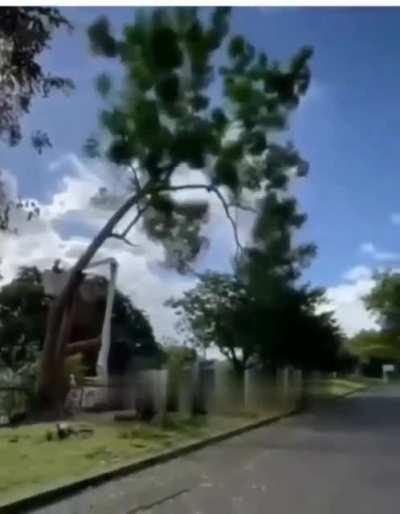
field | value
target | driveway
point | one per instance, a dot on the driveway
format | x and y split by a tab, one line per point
341	459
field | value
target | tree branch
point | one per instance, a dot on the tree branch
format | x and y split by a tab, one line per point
135	177
121	237
215	190
228	215
140	211
243	207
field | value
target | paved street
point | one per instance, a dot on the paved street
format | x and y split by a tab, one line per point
344	459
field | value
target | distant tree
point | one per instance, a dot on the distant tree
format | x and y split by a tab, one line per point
272	263
177	358
165	123
178	352
23	311
22	318
133	342
375	344
383	302
218	313
297	334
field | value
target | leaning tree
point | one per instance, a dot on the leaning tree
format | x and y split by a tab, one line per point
179	111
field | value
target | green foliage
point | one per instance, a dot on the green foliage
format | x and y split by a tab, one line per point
164	125
375	344
297	334
133	344
134	320
23	311
22	318
104	85
384	300
178	355
221	312
25	32
217	312
18	390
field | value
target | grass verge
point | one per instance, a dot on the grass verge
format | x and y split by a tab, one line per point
31	464
335	387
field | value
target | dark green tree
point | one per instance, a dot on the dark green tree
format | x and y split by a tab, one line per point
221	312
133	344
293	332
164	123
23	311
22	318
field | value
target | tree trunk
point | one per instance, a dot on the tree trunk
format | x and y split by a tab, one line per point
83	346
56	338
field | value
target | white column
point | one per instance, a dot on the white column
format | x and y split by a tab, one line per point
102	360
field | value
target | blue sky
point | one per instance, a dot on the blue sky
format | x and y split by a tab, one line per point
347	127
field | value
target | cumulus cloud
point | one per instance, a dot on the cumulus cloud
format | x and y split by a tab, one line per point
357	273
69	220
345	299
379	255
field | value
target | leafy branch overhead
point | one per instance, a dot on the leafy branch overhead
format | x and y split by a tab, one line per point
25	32
166	122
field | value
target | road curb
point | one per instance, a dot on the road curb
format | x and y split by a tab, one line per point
56	493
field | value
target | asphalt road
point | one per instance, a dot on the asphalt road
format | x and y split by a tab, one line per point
344	459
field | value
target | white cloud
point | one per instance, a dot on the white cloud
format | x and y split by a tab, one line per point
41	240
395	218
379	255
357	273
346	301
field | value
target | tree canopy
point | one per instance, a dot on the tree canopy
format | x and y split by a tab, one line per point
164	123
374	344
217	312
383	302
166	119
22	318
221	312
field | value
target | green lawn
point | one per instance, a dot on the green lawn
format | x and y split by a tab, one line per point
335	387
30	463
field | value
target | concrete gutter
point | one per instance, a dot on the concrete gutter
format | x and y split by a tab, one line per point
53	494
